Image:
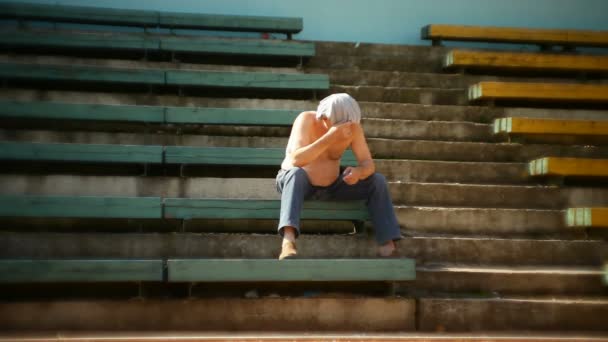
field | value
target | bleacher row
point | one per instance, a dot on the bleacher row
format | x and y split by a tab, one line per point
521	127
104	207
168	269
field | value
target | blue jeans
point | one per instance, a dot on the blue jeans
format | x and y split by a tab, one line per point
294	187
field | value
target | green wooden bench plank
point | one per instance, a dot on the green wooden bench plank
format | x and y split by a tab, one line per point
148	18
80	40
231	116
46	271
79	14
231	22
156	43
81	152
80	111
234	156
260	80
188	208
217	270
80	206
80	73
237	47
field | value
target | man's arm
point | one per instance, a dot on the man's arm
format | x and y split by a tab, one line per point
301	151
366	165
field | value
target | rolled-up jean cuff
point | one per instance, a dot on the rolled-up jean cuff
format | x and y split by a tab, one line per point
294	226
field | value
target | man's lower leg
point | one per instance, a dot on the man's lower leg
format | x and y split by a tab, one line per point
288	247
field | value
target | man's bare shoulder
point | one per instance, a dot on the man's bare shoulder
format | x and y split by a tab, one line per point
306	116
304	121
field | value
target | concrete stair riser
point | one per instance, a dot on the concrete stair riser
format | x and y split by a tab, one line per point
411	194
380	148
481	251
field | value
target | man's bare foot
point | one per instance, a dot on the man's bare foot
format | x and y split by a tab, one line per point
288	250
387	249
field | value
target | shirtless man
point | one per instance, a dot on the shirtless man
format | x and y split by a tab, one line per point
311	170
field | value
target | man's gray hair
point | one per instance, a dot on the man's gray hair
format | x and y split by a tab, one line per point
339	108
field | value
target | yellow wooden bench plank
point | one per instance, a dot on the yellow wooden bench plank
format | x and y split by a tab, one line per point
513	125
538	91
518	60
438	32
568	167
587	217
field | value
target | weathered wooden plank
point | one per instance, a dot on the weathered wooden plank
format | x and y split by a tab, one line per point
147	18
538	92
587	217
189	208
515	35
231	116
81	152
568	167
516	125
195	44
237	47
524	61
230	22
80	111
156	114
47	271
80	206
260	80
606	274
79	40
81	73
233	156
79	14
221	270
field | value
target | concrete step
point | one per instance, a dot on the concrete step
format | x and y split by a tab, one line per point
512	314
472	251
429	80
425	96
401	111
135	64
374	128
438	172
475	152
213	314
369	49
299	337
410	193
501	280
421	62
380	148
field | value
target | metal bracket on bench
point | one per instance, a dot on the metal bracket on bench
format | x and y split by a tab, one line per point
190	286
360	227
182	167
146	169
140	290
182	226
391	291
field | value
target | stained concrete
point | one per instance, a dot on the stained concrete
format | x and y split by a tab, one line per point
472	251
513	314
380	148
264	314
402	193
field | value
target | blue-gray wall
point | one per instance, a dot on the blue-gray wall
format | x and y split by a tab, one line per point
387	21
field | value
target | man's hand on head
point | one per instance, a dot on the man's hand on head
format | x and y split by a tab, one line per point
342	130
351	175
